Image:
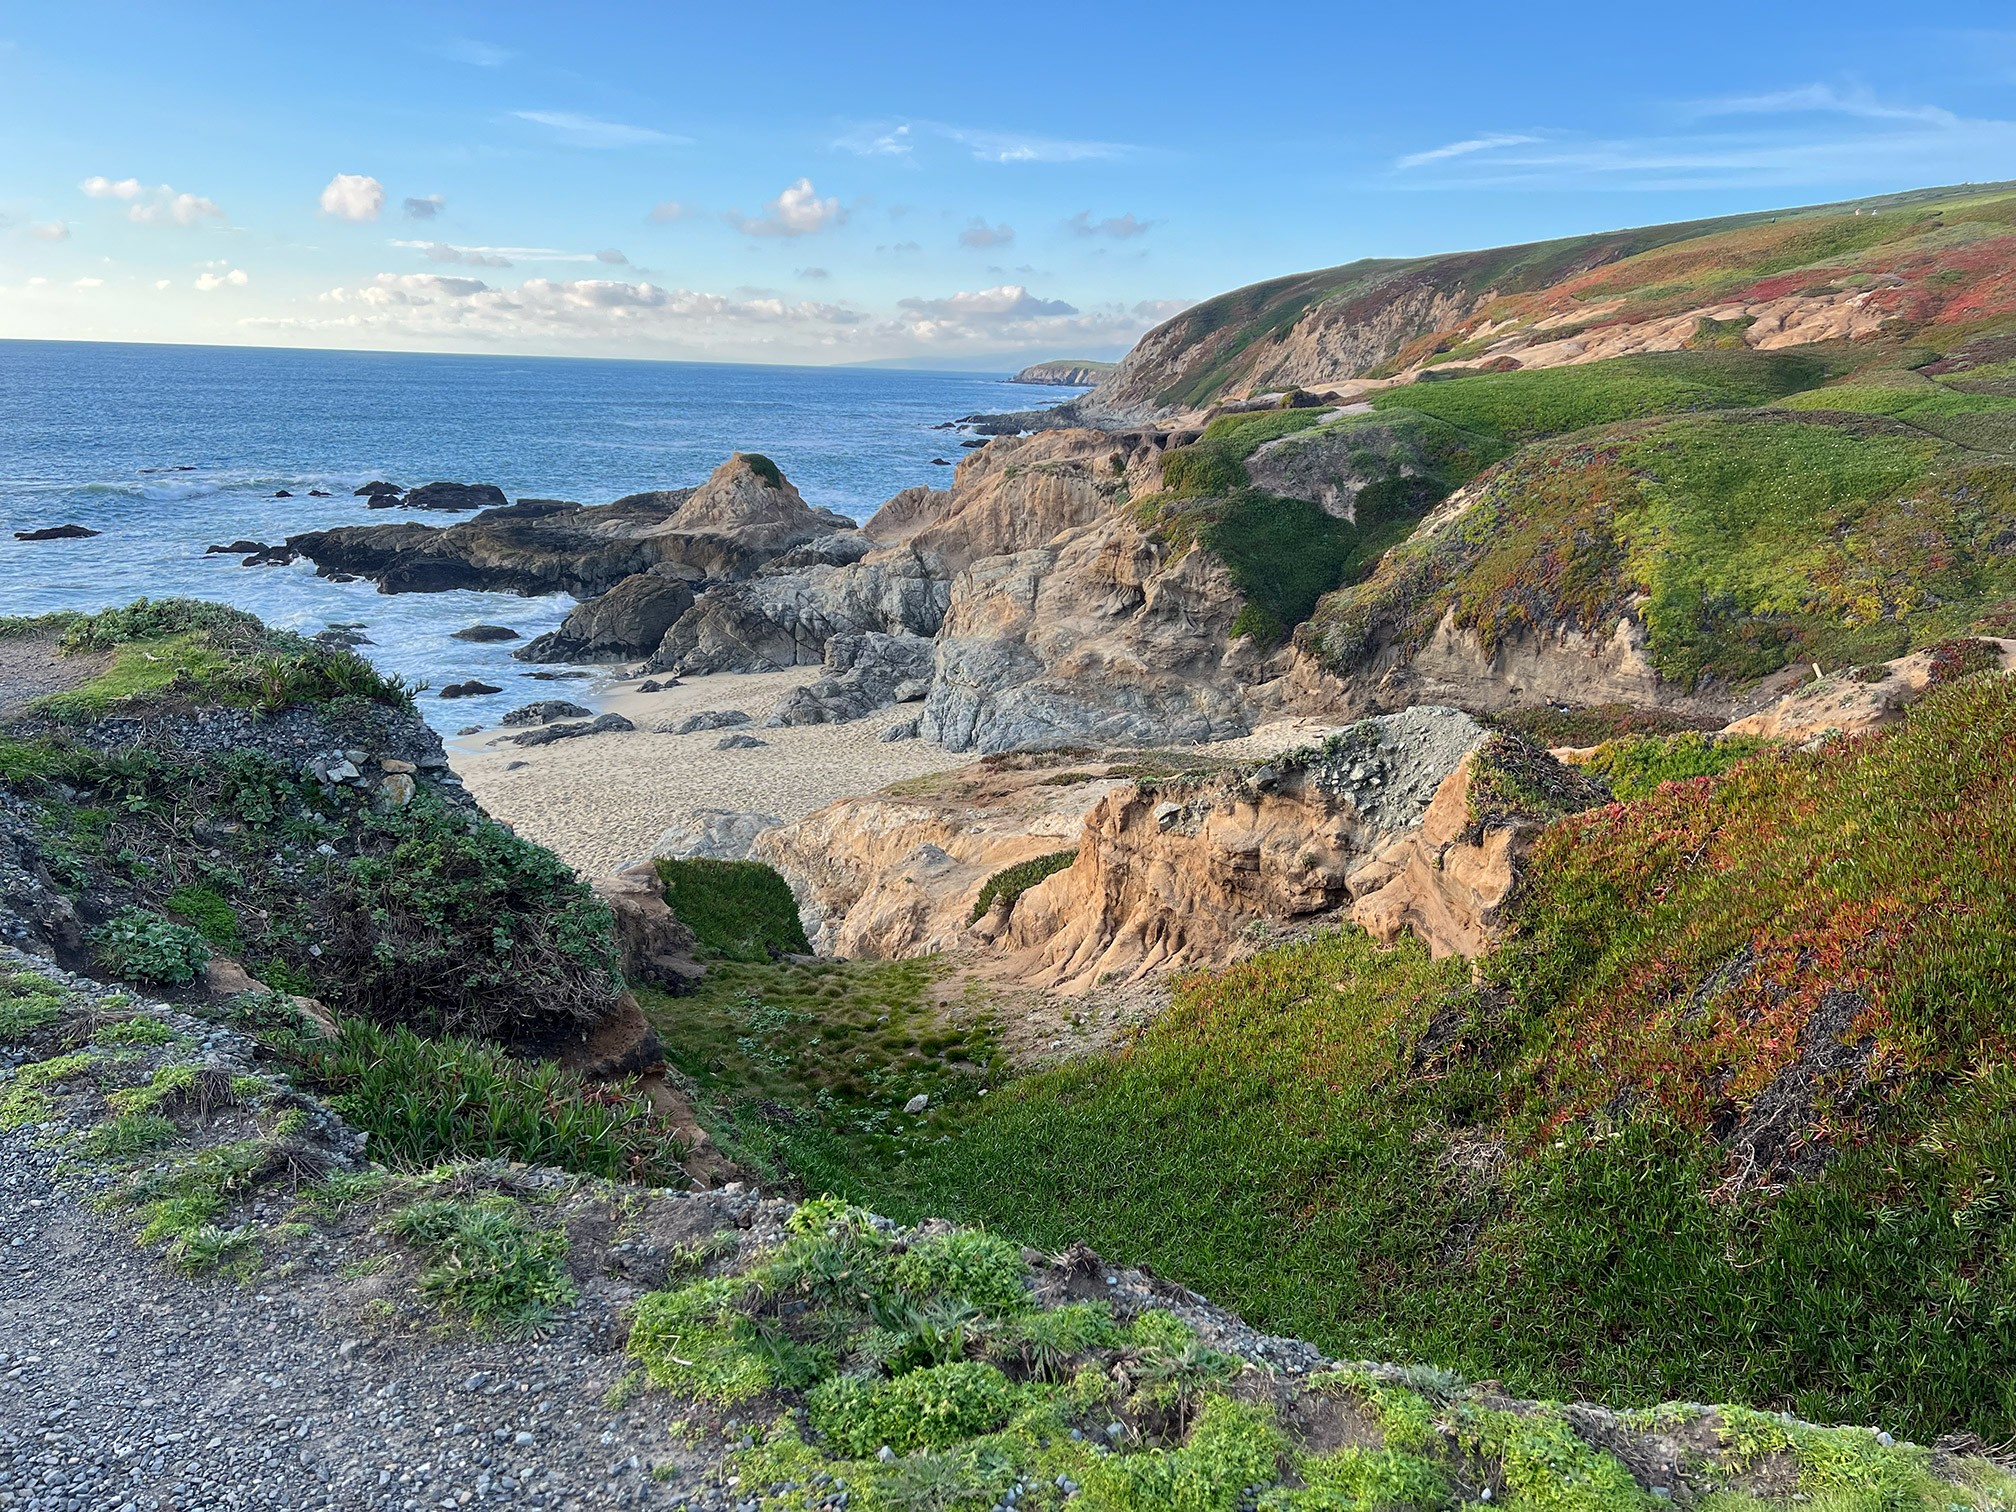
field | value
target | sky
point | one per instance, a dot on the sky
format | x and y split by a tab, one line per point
939	186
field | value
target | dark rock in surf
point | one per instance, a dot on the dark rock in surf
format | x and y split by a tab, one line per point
55	533
485	633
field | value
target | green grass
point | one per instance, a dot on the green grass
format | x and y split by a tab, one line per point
1285	554
1517	407
1736	1076
738	910
190	649
487	1265
1745	544
808	1065
428	1100
28	1002
1636	765
1011	882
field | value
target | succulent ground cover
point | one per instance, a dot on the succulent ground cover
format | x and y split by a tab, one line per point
1738	1073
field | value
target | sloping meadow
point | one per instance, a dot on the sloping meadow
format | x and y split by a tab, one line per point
1728	1114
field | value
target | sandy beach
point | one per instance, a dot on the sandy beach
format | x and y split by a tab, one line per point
602	800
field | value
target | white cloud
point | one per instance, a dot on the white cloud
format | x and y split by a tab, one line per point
798	211
1002	302
1797	137
503	257
353	197
1464	148
1119	227
175	210
475	257
586	131
423	206
979	234
163	283
89	283
1011	147
877	141
235	279
159	206
883	139
569	313
1824	99
52	231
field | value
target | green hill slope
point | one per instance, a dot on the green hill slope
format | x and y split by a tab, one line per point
1729	1113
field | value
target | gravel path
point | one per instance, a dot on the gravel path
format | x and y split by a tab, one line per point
123	1385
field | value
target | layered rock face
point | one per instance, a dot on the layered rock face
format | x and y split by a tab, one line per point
785	618
1104	636
1167	874
894	875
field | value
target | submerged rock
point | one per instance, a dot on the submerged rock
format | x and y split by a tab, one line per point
470	689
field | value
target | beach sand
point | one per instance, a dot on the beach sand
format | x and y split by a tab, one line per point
602	800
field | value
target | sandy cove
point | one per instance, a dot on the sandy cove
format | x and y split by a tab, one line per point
602	800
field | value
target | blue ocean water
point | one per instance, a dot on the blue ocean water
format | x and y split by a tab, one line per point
166	450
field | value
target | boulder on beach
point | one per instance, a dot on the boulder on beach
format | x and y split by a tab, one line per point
55	533
547	734
710	719
739	743
485	633
545	711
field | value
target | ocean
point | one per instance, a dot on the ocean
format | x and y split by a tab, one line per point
167	450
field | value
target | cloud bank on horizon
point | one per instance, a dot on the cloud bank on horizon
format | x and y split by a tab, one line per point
667	186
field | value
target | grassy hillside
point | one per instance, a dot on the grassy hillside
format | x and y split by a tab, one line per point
1729	1114
1852	505
1934	260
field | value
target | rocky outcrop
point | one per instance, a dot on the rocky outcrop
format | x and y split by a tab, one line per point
1331	466
623	624
657	948
1445	880
1104	637
897	875
786	618
746	514
1856	700
712	834
1167	874
1064	374
452	496
864	673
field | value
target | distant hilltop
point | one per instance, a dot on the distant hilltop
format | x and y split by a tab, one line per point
1067	373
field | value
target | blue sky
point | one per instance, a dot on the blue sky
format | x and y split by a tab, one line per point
829	183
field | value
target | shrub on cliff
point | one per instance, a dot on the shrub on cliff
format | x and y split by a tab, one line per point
453	924
196	651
